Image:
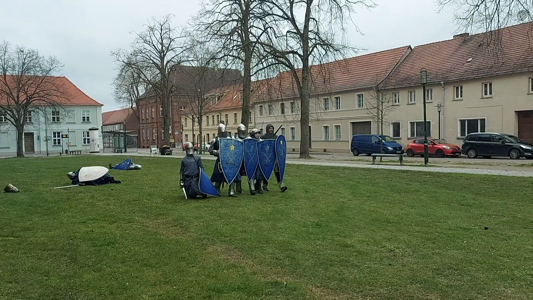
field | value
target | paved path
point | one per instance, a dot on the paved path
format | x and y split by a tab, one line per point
501	166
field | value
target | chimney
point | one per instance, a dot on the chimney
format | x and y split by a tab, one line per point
461	35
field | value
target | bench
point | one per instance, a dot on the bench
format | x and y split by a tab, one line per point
117	150
75	152
375	155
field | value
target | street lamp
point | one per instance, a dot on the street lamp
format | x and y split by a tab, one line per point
439	108
424	81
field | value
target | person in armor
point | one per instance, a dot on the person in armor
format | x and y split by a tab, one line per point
74	178
218	176
270	135
190	172
241	135
255	182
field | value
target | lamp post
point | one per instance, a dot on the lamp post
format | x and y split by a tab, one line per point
424	81
439	108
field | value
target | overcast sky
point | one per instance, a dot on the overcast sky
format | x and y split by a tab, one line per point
82	33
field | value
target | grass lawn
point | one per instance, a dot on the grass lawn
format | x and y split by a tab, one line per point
337	233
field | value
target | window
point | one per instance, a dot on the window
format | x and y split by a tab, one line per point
153	113
282	108
411	96
360	101
250	120
326	133
56	138
185	122
226	119
144	135
86	116
161	111
162	133
4	141
429	95
86	140
186	138
467	126
29	118
270	112
283	131
218	119
458	92
141	112
531	84
213	119
293	107
154	134
337	132
293	133
193	119
487	89
416	128
396	98
395	129
325	103
71	116
337	102
260	110
207	120
55	116
234	118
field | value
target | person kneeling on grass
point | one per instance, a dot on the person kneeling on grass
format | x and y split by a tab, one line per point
74	177
190	172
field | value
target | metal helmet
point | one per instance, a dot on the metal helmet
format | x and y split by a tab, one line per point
71	175
241	131
221	130
189	148
254	131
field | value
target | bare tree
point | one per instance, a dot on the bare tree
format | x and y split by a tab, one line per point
489	15
301	33
27	83
155	52
235	26
128	86
380	105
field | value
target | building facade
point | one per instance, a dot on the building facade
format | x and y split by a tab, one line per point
59	129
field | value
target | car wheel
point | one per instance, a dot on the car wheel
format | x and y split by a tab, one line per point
471	153
514	154
439	153
355	152
410	152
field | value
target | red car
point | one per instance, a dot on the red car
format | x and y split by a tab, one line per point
436	147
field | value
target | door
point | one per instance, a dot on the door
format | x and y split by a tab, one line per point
29	146
525	125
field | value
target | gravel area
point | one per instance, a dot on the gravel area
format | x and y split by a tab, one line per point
442	169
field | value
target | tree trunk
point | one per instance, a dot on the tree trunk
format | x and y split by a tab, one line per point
246	87
20	140
304	121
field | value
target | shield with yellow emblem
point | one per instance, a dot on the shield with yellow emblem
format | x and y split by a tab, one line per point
281	154
231	155
267	156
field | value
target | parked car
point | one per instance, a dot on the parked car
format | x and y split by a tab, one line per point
370	143
436	147
489	144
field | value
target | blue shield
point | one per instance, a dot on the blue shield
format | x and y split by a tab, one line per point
205	185
267	156
231	155
123	165
250	157
281	155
